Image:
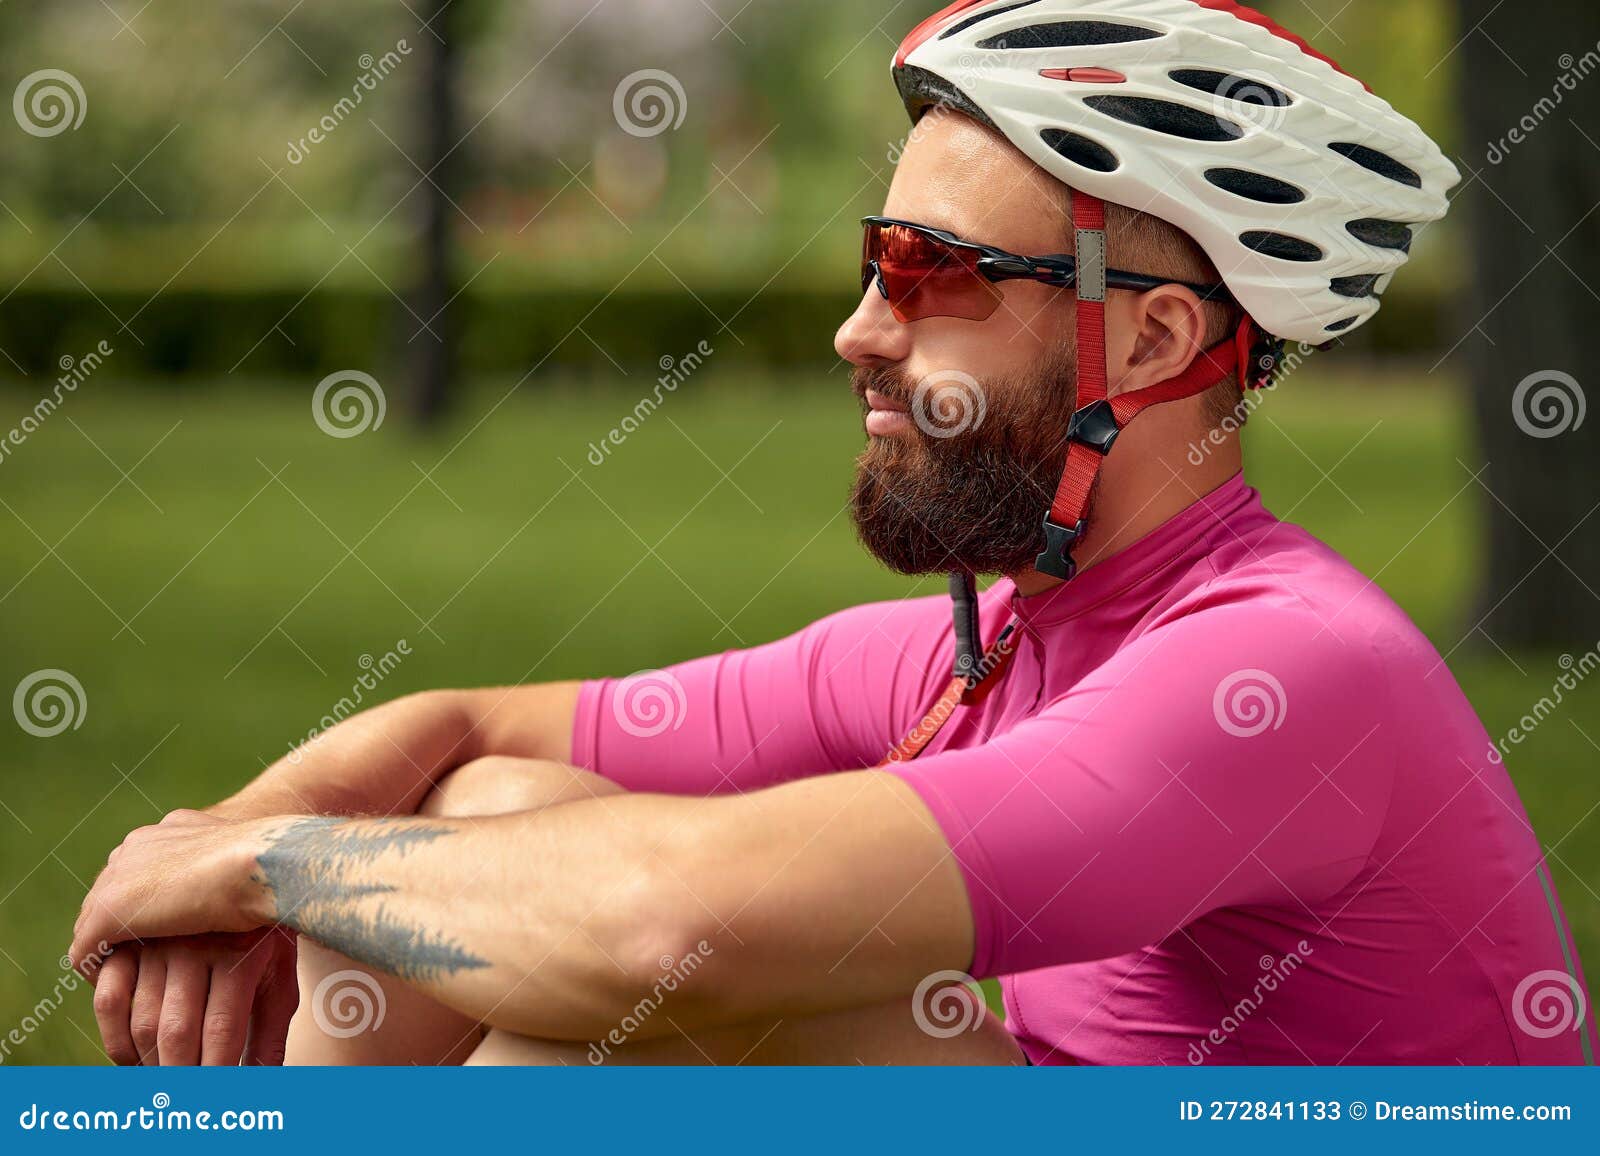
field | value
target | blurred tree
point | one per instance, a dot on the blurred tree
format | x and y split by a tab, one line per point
1531	91
440	161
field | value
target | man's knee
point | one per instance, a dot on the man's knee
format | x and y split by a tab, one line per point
501	786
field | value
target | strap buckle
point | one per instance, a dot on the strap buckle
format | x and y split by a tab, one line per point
1095	426
1056	560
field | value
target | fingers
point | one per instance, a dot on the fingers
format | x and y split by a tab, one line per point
144	1018
113	1002
277	998
228	1007
183	1007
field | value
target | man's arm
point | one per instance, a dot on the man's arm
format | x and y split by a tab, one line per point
384	761
825	894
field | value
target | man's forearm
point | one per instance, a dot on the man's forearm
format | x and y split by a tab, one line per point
558	923
385	760
489	916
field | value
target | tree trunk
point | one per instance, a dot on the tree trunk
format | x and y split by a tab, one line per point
1535	302
434	352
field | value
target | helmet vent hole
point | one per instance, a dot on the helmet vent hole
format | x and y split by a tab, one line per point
1381	234
1255	186
1243	89
1069	34
957	29
1381	163
1281	246
1080	150
1165	117
1340	325
1366	285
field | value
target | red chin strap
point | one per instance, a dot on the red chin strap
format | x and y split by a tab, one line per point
1100	419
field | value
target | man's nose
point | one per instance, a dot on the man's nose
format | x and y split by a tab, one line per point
871	335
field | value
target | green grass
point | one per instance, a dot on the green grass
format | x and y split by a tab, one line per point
214	613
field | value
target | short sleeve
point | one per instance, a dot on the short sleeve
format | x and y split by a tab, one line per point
833	697
1231	758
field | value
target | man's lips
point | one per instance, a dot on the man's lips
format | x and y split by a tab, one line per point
885	415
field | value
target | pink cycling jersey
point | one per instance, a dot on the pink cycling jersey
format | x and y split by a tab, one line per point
1227	805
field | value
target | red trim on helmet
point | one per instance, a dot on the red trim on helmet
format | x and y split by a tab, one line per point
1084	75
1251	16
923	32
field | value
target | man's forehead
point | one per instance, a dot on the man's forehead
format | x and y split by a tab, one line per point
957	174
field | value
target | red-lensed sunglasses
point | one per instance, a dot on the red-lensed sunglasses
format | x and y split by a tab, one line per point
924	272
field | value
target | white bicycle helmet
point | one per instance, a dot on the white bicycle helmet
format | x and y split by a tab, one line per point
1301	185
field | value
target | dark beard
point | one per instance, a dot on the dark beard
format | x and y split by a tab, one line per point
975	501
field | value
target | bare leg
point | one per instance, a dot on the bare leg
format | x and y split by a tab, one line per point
339	1022
886	1034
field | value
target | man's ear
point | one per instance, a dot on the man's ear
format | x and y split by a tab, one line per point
1165	329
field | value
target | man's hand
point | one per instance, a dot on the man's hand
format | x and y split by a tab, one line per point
188	875
211	999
